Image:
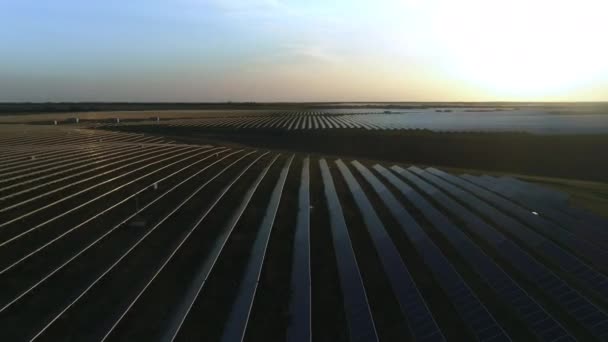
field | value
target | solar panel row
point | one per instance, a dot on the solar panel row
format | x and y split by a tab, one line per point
479	320
234	331
594	319
564	259
288	121
534	266
589	231
358	315
531	312
181	313
300	328
593	253
413	306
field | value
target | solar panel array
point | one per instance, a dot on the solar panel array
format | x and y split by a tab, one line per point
113	236
281	121
288	121
510	293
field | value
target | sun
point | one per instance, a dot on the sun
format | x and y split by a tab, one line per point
530	48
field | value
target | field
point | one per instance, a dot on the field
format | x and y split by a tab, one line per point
114	234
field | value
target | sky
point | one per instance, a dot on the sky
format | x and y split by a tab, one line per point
307	50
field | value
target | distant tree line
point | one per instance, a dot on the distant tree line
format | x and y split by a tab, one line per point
63	107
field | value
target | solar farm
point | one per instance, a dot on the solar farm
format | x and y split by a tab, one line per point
292	121
116	236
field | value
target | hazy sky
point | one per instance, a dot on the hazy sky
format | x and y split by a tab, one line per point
308	50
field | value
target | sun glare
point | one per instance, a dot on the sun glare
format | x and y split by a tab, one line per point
524	48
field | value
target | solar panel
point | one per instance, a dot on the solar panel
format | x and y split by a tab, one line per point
300	123
341	122
262	121
534	315
541	192
479	320
300	328
321	122
182	310
511	252
592	252
421	321
315	122
330	122
559	201
338	122
358	315
568	262
235	327
275	122
580	228
291	122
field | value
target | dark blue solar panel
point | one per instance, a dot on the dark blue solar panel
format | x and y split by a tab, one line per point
182	310
473	312
277	122
234	329
301	122
315	123
556	288
358	314
300	326
565	260
421	321
508	191
321	123
292	122
591	231
534	190
551	230
329	122
506	288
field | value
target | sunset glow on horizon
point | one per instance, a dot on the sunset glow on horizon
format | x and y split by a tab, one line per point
285	50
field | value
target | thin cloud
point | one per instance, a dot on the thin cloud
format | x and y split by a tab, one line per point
251	7
314	53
